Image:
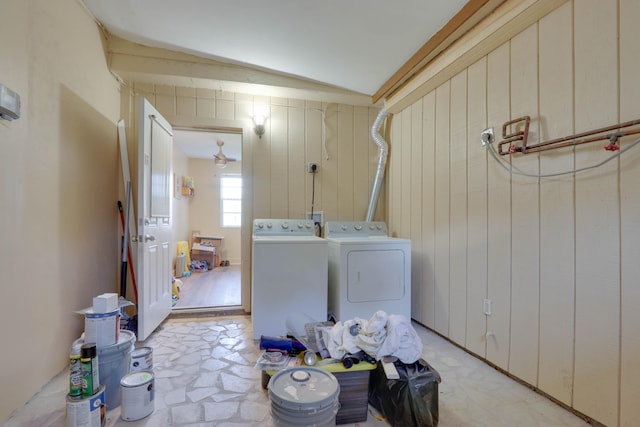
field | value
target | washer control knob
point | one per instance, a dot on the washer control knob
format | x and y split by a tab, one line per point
269	225
358	227
285	225
260	225
300	225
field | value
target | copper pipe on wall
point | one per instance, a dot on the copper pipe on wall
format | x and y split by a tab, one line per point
509	139
567	141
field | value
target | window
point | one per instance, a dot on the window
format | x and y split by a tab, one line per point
230	200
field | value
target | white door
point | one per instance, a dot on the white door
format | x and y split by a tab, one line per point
153	271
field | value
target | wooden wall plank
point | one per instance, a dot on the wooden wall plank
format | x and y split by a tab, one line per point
477	209
442	206
525	217
224	105
361	162
597	218
405	220
345	161
279	178
185	101
458	212
557	254
261	169
630	217
394	165
499	215
205	102
330	164
416	211
314	146
428	208
296	158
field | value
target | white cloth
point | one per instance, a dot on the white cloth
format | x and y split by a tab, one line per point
382	335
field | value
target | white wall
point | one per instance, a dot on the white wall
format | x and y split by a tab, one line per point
557	256
204	209
59	188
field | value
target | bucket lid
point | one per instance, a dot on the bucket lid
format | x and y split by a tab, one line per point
304	388
135	379
141	351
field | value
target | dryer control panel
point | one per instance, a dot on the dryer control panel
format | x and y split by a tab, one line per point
345	229
283	227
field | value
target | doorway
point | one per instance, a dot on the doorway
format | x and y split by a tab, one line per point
202	159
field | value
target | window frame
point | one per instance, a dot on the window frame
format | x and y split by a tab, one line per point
224	177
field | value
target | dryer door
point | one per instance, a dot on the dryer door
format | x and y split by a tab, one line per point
375	275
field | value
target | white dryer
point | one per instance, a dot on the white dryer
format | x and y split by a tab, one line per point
288	274
368	270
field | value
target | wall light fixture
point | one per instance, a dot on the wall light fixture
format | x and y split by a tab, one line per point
258	122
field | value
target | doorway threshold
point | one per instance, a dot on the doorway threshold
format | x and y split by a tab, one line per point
234	310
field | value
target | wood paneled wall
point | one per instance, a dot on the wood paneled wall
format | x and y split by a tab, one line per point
556	255
336	136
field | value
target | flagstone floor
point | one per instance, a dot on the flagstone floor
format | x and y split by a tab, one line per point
205	376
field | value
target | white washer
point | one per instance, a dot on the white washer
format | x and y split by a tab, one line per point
368	270
288	274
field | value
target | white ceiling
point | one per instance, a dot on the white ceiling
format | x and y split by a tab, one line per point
201	144
355	45
352	44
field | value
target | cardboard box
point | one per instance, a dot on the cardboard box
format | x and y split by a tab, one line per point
105	303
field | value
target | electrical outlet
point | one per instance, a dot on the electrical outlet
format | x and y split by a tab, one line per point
317	217
488	307
486	136
312	167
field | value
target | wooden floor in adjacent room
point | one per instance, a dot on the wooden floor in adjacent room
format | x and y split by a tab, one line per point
219	287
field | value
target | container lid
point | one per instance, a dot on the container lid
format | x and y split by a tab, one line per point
140	351
136	378
304	388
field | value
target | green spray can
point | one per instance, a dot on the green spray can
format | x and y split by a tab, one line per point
75	371
89	362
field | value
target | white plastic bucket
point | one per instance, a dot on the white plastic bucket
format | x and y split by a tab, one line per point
304	396
141	359
114	363
87	412
102	328
137	395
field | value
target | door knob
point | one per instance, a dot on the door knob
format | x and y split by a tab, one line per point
149	238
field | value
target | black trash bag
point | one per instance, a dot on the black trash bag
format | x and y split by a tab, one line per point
411	400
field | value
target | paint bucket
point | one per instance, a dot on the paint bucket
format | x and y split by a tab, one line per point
114	362
102	328
141	359
87	412
304	396
137	395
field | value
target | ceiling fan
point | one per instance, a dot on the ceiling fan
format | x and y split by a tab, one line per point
220	159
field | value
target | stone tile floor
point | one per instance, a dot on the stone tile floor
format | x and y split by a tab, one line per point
205	376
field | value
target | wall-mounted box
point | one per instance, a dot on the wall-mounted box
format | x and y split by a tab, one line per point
9	103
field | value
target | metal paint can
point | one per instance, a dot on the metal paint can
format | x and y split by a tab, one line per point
303	397
137	395
87	412
102	328
142	359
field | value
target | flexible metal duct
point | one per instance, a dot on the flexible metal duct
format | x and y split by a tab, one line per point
383	150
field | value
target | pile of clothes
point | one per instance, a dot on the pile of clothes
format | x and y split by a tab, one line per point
382	335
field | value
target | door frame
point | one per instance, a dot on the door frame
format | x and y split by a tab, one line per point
248	139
